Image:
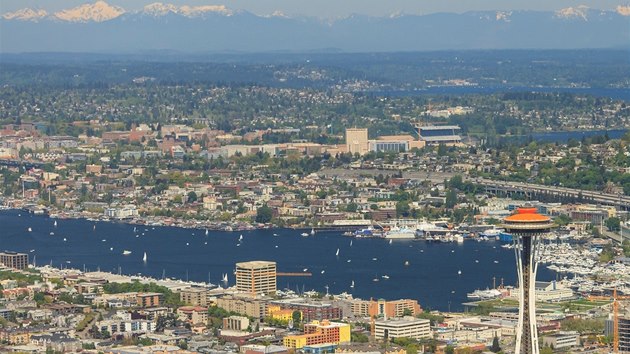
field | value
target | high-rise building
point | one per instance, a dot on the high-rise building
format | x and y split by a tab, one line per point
357	140
256	277
14	260
526	225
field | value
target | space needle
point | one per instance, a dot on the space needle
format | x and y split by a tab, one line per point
526	226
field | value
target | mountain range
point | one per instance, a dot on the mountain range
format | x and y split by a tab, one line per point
101	27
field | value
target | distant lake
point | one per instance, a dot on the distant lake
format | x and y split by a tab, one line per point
614	93
431	276
563	137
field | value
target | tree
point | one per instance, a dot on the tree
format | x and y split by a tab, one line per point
192	197
297	316
264	214
495	348
402	209
451	198
613	224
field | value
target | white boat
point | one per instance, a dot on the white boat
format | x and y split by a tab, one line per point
32	251
94	227
240	238
225	278
52	234
64	239
390	242
337	253
406	263
385	276
29	229
126	253
134	229
350	243
304	234
111	248
206	232
459	238
349	260
144	258
305	269
55	223
352	284
323	271
312	231
375	279
276	235
459	272
496	261
374	259
187	244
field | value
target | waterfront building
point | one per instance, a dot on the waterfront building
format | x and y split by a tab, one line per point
384	308
407	327
324	332
357	140
14	260
526	225
548	292
256	277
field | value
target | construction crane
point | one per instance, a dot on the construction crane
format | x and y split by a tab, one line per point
615	304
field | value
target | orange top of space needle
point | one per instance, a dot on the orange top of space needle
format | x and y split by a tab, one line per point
527	218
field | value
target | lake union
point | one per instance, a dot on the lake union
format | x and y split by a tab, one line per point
432	275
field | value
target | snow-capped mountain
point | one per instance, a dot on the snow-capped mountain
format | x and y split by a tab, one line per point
99	11
25	15
160	26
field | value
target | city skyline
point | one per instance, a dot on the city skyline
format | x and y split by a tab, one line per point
332	9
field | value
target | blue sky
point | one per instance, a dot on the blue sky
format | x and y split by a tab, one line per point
333	8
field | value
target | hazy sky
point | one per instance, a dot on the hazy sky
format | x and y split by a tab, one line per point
333	8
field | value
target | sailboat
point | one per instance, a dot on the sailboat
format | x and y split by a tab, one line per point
225	278
352	284
55	224
144	258
337	253
240	238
